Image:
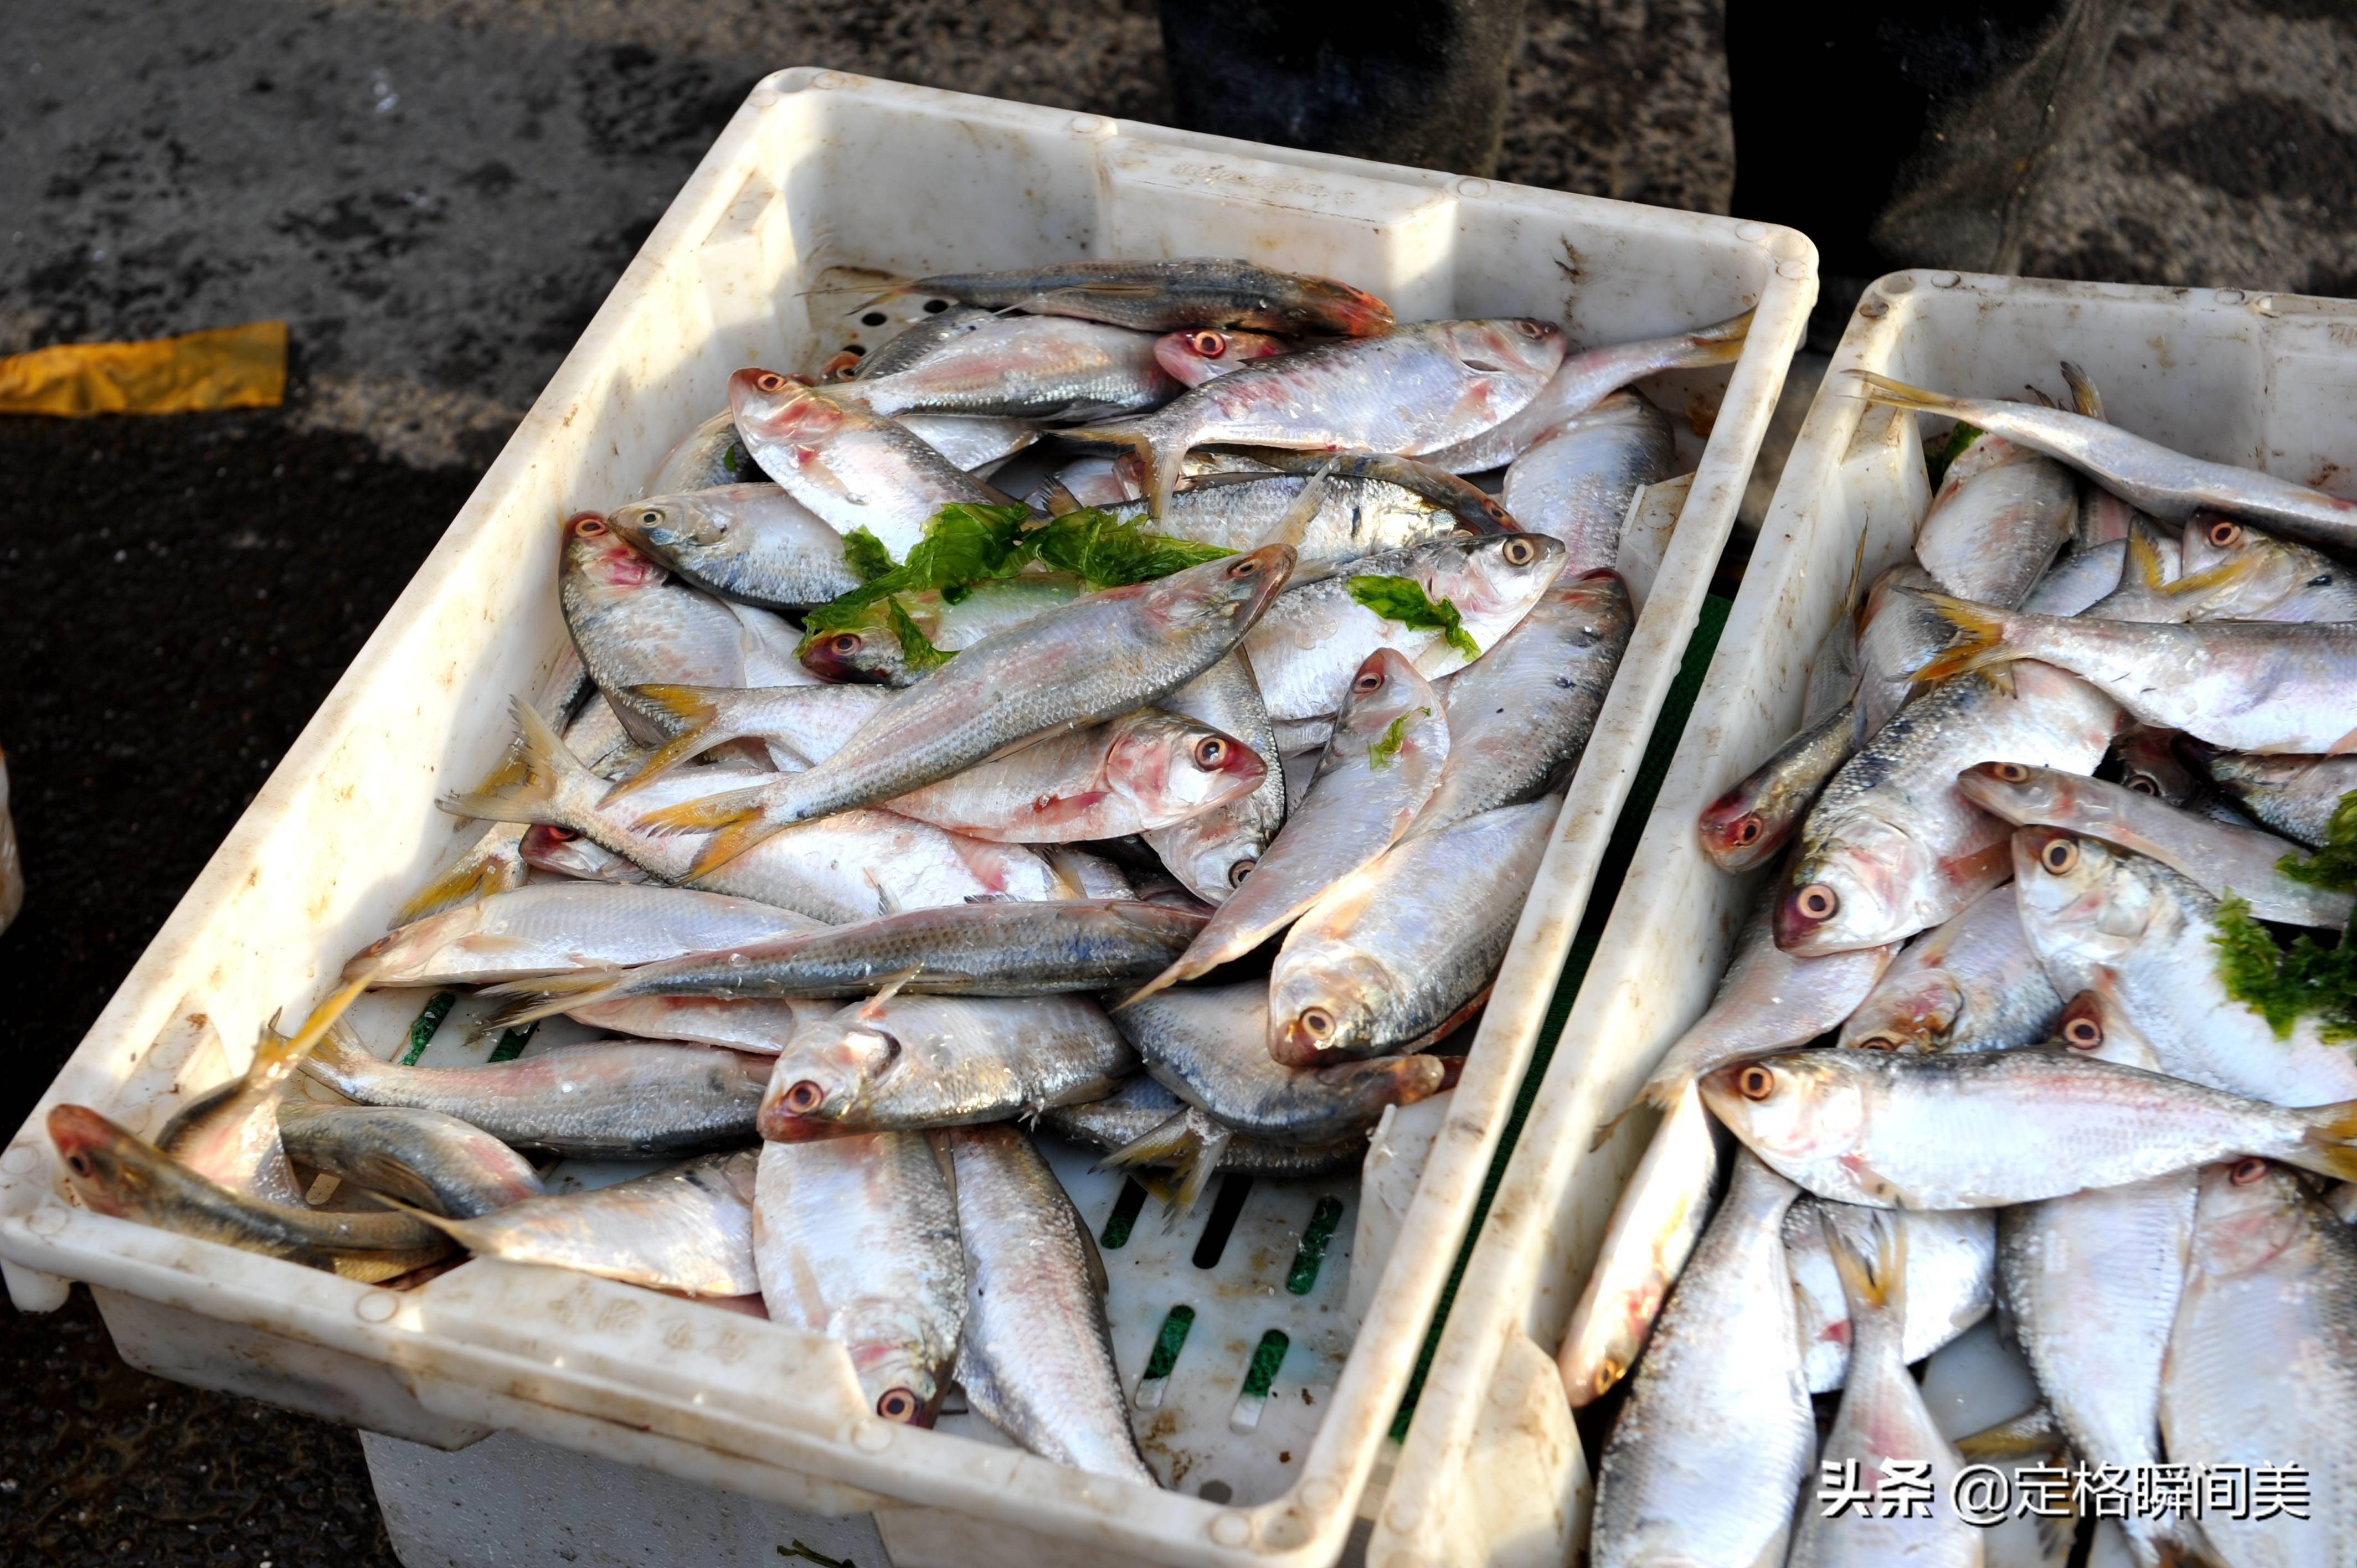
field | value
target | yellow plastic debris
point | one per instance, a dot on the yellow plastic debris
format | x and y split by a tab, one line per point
229	367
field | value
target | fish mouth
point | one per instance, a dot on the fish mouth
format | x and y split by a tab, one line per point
1273	565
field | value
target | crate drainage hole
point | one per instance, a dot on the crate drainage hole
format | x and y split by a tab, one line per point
1123	1218
1266	1358
1303	1276
1167	1345
1234	1190
1215	1492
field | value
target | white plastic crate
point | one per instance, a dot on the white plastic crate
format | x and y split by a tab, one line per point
1492	1470
821	170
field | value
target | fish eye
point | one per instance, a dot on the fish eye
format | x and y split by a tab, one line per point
1880	1040
770	381
804	1098
1530	329
1317	1020
1211	751
1211	345
1367	681
1519	552
650	517
2222	535
591	527
2059	856
2011	772
1748	831
1495	510
1243	566
562	835
1755	1082
2246	1170
898	1405
846	643
2321	580
1238	871
2140	784
1818	902
2083	1033
79	1166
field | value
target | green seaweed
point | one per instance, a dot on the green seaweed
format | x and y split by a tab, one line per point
865	554
915	646
2282	985
1402	599
1386	748
2335	865
1961	437
1105	552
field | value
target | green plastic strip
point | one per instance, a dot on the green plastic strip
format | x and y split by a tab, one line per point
512	1043
1123	1218
429	1018
1609	873
1167	1344
1266	1358
1323	1220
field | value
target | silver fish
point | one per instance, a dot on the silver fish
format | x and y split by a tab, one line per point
1882	1420
422	1158
116	1174
1413	391
2262	1367
2073	583
1169	296
2244	685
969	441
606	1098
761	1025
635	623
1892	847
1093	659
872	652
753	542
562	926
1897	632
2222	859
707	456
1351	517
1768	1000
920	341
1212	852
1024	367
2001	513
906	1062
1576	483
1520	715
1386	960
856	1239
1036	1358
1951	1275
2169	485
853	468
1379	769
2267	579
1190	358
1306	649
1711	1448
1986	1129
2295	795
808	723
1973	984
1585	380
231	1134
1137	1121
2111	920
1753	823
688	1229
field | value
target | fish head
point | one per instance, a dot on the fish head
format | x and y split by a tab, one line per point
662	525
1321	1007
892	1353
1365	1088
1513	352
1338	307
1190	358
2235	572
781	408
1498	575
1214	853
1913	1015
1384	689
2080	897
407	950
2019	793
1852	893
2250	1212
2149	764
2211	538
869	655
1176	767
113	1171
823	1081
597	554
566	852
1803	1107
1227	596
2093	1024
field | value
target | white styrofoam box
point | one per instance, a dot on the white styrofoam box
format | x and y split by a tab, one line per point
1491	1471
821	171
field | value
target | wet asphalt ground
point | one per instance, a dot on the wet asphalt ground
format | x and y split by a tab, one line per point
438	194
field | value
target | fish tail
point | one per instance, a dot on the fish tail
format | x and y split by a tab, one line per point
549	995
1162	459
697	714
730	843
1980	637
706	813
2143	563
470	878
1899	394
1719	343
2083	395
532	797
2328	1143
454	1229
324	1015
1180	1144
1876	1282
